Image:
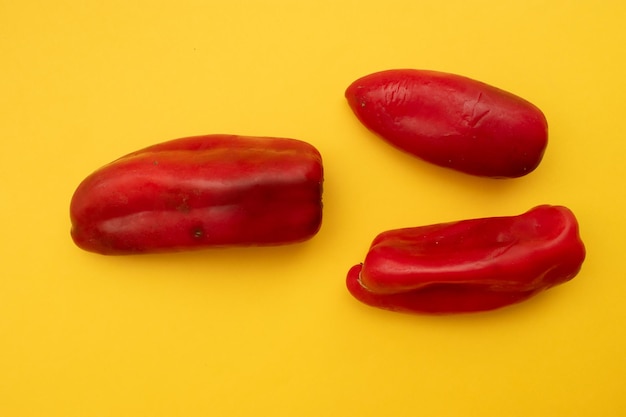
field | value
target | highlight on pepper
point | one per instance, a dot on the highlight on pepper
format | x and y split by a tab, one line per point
469	265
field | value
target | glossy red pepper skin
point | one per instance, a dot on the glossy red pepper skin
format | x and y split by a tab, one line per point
452	121
198	192
469	265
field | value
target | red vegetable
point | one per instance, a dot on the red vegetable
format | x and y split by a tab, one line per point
452	121
469	265
196	192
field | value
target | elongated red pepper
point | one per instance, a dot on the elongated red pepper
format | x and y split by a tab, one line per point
452	121
469	265
197	192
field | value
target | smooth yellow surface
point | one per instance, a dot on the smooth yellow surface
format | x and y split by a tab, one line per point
273	331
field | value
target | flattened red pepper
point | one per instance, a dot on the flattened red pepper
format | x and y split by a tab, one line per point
197	192
452	121
469	265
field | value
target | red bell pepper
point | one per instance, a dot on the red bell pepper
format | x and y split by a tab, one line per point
469	265
197	192
452	121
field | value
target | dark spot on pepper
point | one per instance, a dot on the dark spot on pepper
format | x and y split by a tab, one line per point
197	232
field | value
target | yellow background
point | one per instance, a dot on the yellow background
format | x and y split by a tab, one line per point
273	331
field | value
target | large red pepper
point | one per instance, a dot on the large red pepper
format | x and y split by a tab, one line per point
469	265
452	121
215	190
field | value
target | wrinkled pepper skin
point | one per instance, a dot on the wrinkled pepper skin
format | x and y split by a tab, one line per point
452	121
198	192
469	265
